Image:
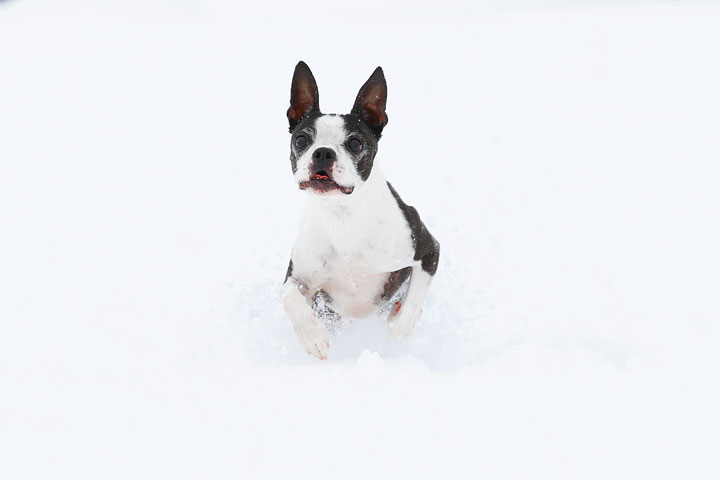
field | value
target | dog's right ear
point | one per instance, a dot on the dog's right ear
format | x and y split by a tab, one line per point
303	95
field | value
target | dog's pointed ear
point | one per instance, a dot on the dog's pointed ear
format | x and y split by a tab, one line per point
304	96
370	102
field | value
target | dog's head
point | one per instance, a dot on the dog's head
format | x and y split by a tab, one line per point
333	154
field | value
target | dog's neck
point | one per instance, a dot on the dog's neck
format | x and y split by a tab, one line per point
348	215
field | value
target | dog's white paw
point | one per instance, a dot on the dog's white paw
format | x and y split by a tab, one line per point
313	338
311	334
402	321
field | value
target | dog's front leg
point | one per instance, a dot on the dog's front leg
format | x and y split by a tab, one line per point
402	322
309	331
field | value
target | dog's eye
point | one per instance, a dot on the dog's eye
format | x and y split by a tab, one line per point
301	141
355	145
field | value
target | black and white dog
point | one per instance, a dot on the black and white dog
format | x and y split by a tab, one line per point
360	248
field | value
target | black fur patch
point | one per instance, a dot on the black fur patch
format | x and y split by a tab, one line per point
427	249
289	271
356	128
305	127
394	282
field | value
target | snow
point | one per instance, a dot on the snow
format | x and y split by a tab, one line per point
565	155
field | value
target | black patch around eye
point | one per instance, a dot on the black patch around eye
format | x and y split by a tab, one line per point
358	130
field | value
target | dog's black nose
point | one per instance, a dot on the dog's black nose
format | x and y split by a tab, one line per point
323	158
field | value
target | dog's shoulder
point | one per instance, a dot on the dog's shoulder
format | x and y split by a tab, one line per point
427	248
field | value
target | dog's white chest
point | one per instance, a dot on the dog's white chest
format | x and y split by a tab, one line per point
353	274
349	250
356	292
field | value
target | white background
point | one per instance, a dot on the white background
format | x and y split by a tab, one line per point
565	155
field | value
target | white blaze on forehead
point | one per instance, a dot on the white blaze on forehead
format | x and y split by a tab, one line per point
330	131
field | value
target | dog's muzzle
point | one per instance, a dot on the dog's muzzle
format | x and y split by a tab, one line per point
321	180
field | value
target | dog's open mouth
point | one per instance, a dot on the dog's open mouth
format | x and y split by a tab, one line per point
322	183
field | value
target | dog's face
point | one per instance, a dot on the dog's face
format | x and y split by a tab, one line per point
334	154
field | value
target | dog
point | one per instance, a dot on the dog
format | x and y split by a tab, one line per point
360	249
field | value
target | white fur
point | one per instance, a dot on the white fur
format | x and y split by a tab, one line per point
347	246
402	324
310	333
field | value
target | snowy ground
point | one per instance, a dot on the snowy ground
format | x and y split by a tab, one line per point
566	155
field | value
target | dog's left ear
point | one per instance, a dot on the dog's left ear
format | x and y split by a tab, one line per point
370	102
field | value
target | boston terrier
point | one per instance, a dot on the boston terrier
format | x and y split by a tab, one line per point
360	250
